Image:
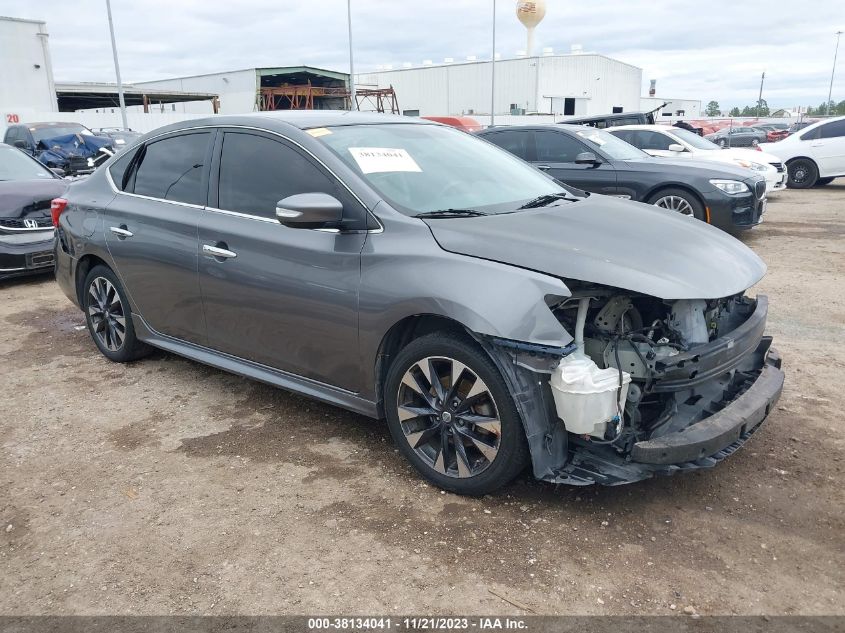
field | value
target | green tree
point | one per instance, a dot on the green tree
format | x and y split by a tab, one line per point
840	108
762	108
747	111
712	109
735	111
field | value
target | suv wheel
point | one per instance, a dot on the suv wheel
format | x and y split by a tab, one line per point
452	416
678	200
109	318
802	173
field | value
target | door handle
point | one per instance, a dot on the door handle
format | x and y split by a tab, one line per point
216	251
121	231
544	167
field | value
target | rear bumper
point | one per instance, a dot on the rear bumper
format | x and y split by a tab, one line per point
733	424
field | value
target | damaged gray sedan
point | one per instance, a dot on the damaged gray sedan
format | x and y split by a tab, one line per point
408	271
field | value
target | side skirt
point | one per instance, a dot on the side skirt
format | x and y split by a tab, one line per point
256	371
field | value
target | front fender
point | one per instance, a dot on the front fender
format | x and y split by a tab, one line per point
487	298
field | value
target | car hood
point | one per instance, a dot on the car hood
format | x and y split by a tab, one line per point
612	242
691	166
747	154
20	198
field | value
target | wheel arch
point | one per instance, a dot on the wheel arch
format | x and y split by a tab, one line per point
403	332
83	267
682	186
802	157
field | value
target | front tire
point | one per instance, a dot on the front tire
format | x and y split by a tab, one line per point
109	317
678	200
802	173
452	416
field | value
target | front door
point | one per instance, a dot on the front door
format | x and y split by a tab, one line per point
151	230
555	154
828	148
283	297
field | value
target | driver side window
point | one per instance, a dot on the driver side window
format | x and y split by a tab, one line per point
557	147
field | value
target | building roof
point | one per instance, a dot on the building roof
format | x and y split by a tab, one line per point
264	71
498	61
4	18
73	96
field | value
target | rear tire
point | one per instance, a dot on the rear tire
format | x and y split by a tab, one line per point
459	426
109	317
821	182
678	200
802	173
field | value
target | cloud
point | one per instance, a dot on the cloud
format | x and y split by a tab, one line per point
714	51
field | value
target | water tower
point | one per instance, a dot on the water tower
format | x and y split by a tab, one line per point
530	13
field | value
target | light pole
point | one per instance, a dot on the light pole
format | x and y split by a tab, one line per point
760	96
493	72
353	103
117	68
833	72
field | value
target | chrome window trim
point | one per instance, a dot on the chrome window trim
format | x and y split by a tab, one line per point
223	127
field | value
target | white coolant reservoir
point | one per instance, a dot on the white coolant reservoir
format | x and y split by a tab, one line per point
585	396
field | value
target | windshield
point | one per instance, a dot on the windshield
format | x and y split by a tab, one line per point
691	138
52	131
426	168
611	145
15	165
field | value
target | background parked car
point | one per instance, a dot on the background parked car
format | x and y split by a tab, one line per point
724	195
26	227
800	125
71	147
120	135
738	136
774	131
813	156
671	142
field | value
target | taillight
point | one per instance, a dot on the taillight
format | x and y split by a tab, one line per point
57	206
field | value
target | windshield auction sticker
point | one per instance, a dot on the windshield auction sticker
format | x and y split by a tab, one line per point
376	160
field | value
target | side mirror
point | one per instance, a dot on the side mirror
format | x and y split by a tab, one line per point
58	171
587	158
309	210
20	144
677	147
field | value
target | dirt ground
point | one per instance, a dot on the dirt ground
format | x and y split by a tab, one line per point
167	487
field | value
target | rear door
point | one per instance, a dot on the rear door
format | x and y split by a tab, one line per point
827	147
279	296
555	153
151	230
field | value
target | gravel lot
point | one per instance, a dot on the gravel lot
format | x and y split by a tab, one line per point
167	487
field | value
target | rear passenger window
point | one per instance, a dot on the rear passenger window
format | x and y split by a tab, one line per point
172	169
513	141
256	172
833	129
118	169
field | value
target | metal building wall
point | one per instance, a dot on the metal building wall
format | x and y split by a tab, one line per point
26	77
453	89
237	90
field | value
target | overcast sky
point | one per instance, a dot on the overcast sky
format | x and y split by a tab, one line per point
714	50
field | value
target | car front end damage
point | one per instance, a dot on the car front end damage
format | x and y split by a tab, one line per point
687	382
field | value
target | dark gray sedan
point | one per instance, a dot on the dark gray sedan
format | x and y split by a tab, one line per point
728	196
409	271
738	136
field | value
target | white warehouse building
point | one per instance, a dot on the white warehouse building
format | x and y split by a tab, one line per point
580	84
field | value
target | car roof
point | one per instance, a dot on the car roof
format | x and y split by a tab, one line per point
642	126
308	119
39	124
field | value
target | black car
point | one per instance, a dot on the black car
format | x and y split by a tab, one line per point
26	227
731	198
71	147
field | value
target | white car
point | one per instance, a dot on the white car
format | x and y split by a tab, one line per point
674	142
814	155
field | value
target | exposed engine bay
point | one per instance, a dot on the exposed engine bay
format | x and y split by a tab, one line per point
647	385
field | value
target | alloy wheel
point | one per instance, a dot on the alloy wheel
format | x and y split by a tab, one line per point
675	203
448	416
800	173
108	318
